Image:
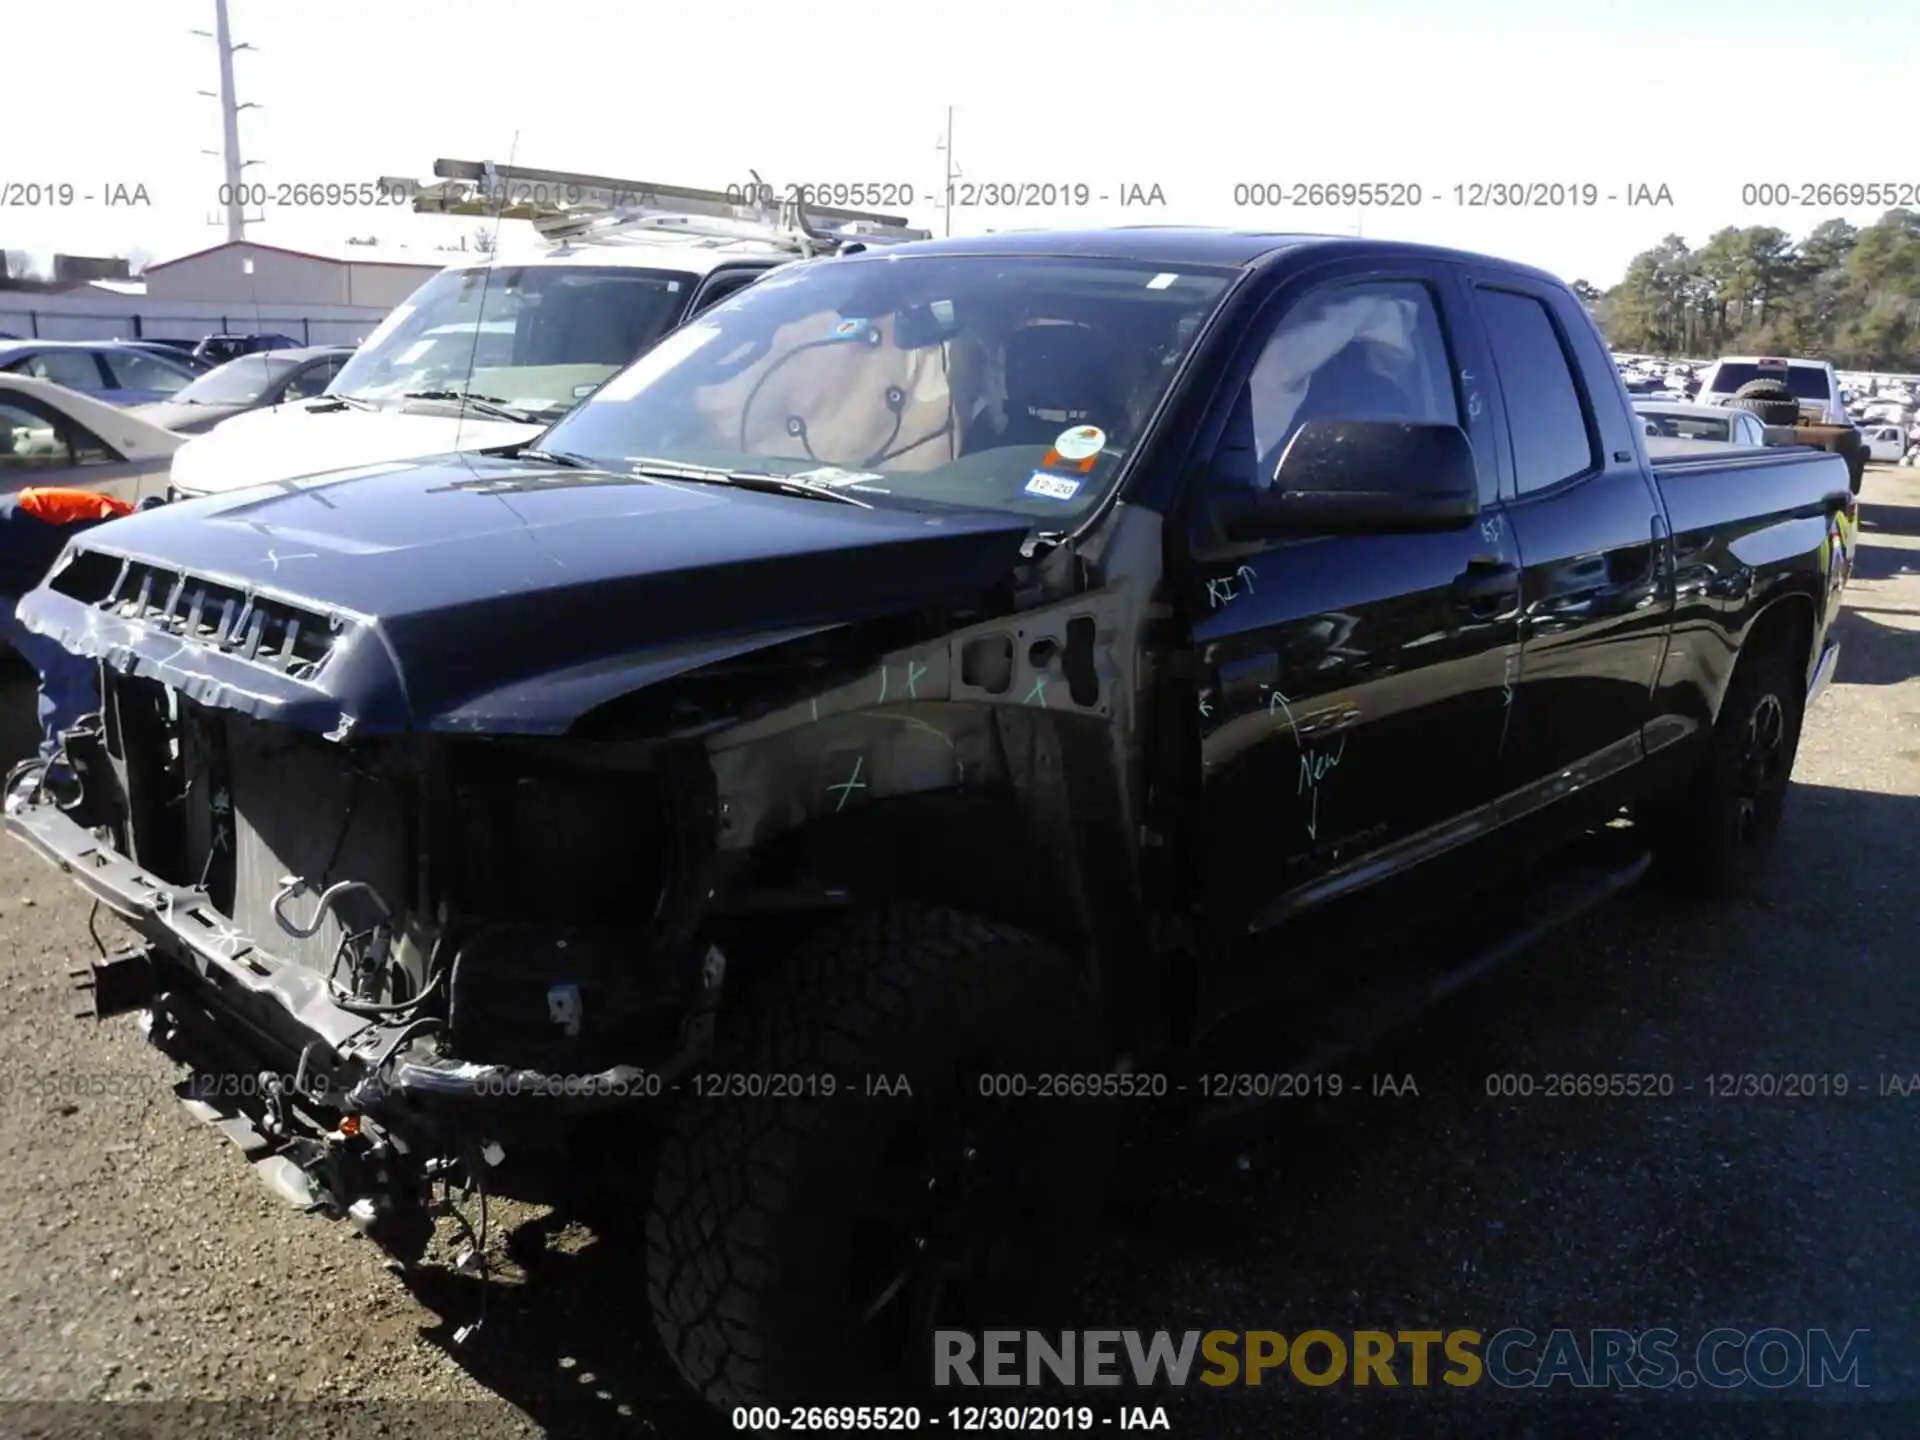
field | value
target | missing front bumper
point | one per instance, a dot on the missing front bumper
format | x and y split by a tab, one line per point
284	1013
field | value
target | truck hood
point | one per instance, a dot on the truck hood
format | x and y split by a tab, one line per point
309	436
482	594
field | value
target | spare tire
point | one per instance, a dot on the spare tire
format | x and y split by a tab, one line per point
1771	400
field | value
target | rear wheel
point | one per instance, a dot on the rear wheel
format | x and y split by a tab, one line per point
1717	839
805	1248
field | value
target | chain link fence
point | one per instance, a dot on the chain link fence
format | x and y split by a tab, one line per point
28	323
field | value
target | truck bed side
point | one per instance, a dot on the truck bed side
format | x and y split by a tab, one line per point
1752	529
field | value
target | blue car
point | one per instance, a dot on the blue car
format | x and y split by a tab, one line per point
107	370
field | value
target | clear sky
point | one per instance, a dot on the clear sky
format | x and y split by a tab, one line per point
1701	97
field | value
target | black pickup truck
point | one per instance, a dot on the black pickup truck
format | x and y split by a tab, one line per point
932	702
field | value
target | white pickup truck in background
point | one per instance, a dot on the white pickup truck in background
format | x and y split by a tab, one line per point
1813	383
490	353
1886	443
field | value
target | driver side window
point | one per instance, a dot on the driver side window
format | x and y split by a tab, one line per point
1368	351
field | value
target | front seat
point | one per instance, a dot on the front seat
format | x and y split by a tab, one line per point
1058	376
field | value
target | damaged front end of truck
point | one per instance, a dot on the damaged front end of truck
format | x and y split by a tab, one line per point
459	888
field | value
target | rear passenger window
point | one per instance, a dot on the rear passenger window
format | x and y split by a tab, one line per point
1551	442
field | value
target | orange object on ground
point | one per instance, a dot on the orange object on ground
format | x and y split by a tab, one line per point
62	505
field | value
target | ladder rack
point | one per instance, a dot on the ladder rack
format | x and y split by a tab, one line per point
564	204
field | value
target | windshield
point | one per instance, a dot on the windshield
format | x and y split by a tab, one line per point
1807	382
1000	382
238	382
534	338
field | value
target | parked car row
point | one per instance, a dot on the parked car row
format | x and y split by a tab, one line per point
113	371
1879	409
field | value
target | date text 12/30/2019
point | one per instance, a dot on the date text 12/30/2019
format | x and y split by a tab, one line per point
961	1419
1468	195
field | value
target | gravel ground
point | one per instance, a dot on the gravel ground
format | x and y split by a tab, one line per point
141	1262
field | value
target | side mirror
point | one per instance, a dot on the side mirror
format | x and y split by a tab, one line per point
1361	477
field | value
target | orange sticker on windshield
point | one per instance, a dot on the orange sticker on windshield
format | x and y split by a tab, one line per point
1079	447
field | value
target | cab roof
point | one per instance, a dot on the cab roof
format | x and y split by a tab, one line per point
1193	245
1163	244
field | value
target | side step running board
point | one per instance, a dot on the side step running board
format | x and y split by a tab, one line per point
1376	1014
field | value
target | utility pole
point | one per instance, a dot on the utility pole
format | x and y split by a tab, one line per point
953	171
230	109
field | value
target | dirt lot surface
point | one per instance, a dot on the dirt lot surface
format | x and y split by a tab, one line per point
141	1265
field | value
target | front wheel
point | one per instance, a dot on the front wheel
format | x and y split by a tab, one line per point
1719	836
804	1247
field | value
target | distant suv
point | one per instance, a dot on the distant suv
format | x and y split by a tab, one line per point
221	348
1813	383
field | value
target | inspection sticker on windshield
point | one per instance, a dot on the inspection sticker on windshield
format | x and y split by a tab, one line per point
1052	487
1082	442
852	328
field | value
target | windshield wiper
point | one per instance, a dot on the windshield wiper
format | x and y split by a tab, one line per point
357	402
485	404
563	457
760	480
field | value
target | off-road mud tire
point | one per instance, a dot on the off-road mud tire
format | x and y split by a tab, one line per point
753	1215
1771	400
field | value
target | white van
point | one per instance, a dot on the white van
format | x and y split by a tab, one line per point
491	351
1813	383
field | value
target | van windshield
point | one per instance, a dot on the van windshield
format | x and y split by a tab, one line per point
533	339
1000	382
1807	382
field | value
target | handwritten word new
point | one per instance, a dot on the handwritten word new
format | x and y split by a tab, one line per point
1316	763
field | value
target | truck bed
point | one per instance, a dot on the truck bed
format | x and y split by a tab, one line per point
1663	447
1674	457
